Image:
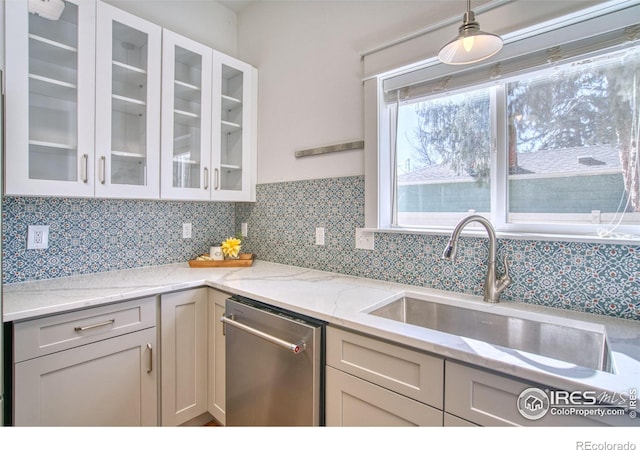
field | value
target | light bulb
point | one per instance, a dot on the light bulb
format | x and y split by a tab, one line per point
467	43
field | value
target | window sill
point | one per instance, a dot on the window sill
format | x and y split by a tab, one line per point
478	231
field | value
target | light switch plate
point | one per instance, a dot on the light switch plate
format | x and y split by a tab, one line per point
186	231
364	239
37	237
320	236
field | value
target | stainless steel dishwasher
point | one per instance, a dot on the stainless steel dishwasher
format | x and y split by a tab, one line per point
274	366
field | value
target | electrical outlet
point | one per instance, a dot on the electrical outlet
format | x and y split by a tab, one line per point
37	237
364	239
320	236
244	229
186	231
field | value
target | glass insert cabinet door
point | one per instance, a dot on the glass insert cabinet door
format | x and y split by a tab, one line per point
50	97
128	53
186	118
235	92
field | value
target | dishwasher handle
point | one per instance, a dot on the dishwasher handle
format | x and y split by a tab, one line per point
294	348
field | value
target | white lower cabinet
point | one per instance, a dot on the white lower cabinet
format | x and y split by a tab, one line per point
353	402
183	323
370	382
216	381
490	399
93	382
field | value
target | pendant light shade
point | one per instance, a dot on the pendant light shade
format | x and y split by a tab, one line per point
471	45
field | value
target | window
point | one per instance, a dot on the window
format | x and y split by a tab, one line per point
544	142
444	159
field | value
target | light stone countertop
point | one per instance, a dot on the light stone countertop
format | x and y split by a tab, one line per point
344	300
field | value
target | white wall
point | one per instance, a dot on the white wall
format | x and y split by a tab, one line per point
205	21
310	70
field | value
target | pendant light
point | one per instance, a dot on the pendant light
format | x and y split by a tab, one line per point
471	45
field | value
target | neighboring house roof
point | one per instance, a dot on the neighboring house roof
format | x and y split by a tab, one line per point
544	162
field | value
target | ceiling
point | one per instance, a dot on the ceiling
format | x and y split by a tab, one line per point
236	5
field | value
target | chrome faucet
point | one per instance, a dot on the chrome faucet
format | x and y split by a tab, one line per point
493	286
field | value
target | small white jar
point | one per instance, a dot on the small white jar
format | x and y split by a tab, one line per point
215	252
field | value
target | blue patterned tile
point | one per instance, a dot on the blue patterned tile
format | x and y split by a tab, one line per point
96	235
596	278
93	235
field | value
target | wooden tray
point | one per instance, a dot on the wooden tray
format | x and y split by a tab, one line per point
245	260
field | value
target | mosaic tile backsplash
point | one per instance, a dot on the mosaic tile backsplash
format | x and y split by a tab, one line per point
596	278
96	235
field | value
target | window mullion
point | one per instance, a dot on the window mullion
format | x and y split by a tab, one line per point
499	169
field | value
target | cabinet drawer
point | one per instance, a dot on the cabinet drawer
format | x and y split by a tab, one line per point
51	334
490	399
407	372
352	402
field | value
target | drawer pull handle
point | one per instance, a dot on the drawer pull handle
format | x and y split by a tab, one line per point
95	325
150	358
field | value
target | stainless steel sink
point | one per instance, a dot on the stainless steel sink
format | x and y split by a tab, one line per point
584	347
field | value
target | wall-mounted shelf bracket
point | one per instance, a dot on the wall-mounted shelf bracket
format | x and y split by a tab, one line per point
357	145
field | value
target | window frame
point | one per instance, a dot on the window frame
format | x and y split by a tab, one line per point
380	217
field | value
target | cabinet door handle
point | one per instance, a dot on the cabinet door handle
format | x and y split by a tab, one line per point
95	325
103	168
216	179
84	168
150	358
206	178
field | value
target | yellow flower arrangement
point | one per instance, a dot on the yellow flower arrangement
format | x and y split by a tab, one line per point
231	247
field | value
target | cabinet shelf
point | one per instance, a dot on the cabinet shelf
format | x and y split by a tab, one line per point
186	91
230	166
186	118
128	105
50	87
52	145
52	43
129	67
52	52
186	86
129	100
179	160
229	103
125	154
230	127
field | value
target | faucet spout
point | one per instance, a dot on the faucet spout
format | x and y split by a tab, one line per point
450	250
493	286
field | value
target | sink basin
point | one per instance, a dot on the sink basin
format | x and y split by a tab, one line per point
581	346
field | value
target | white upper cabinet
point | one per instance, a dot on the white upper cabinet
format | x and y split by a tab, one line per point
234	129
186	118
103	103
128	63
208	123
50	73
